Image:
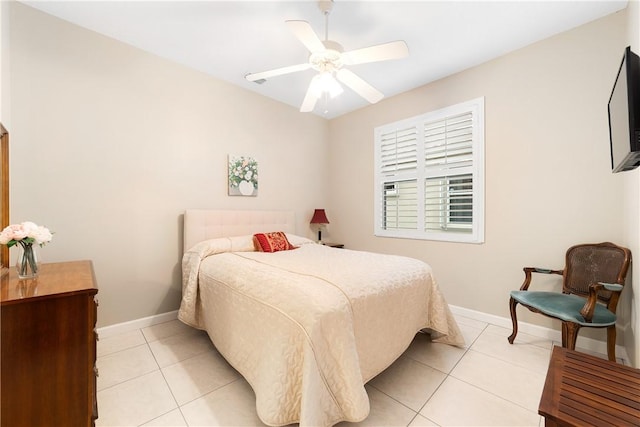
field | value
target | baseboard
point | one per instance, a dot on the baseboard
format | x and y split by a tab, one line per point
132	325
588	344
585	343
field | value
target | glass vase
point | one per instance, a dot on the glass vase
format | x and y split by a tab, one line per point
28	262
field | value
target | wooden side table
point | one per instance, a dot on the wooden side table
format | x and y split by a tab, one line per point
583	390
333	245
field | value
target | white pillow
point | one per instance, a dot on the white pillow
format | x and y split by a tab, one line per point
224	244
298	240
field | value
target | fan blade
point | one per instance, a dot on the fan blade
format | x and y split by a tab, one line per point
252	77
359	86
303	31
310	98
380	52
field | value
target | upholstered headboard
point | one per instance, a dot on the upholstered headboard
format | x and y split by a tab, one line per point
200	224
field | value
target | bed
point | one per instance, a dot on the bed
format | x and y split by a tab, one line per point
306	327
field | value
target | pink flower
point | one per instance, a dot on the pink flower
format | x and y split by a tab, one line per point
42	235
27	231
5	237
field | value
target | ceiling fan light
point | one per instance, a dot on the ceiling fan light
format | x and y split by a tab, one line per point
315	87
335	90
326	83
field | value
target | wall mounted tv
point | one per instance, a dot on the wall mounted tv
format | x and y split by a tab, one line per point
624	115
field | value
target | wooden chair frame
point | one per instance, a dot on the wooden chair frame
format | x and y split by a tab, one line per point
596	294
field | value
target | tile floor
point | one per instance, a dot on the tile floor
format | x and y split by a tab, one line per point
171	375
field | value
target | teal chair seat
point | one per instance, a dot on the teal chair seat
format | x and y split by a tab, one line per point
565	307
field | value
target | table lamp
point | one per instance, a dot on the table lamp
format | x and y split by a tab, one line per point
319	217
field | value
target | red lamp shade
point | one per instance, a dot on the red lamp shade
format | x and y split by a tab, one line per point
319	217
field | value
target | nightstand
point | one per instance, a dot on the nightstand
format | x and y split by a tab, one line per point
333	245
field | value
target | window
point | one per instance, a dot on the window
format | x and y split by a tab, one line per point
429	175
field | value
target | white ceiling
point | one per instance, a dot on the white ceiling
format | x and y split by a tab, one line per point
228	39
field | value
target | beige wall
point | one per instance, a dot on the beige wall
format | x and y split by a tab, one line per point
110	145
4	63
548	176
631	209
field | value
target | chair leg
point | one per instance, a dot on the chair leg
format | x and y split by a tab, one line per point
569	335
611	343
514	320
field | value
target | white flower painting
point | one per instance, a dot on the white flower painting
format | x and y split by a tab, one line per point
243	176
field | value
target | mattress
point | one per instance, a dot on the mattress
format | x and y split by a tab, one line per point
308	327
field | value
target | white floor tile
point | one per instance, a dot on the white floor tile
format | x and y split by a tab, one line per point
170	419
470	334
457	403
199	375
384	412
120	342
409	382
231	405
420	421
166	329
462	320
506	380
521	338
175	348
134	402
442	357
527	352
171	375
125	365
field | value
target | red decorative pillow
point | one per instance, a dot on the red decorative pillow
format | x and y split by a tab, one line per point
272	242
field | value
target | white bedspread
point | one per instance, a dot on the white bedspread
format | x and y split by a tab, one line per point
309	327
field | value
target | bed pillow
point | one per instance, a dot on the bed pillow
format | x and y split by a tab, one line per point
272	242
224	244
298	241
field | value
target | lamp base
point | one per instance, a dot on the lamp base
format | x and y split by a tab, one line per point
319	236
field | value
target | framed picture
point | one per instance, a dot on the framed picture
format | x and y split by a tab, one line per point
243	176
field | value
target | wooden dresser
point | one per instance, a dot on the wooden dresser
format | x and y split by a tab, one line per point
48	347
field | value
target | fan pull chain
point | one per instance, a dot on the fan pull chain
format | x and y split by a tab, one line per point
326	25
326	103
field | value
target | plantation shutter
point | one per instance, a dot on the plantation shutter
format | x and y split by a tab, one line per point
399	151
449	143
400	204
429	181
398	164
449	183
449	203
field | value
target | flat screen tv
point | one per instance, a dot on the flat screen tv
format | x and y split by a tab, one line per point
624	115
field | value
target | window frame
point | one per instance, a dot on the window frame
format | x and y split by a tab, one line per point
452	231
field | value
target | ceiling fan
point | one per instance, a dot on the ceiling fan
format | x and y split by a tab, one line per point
329	58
